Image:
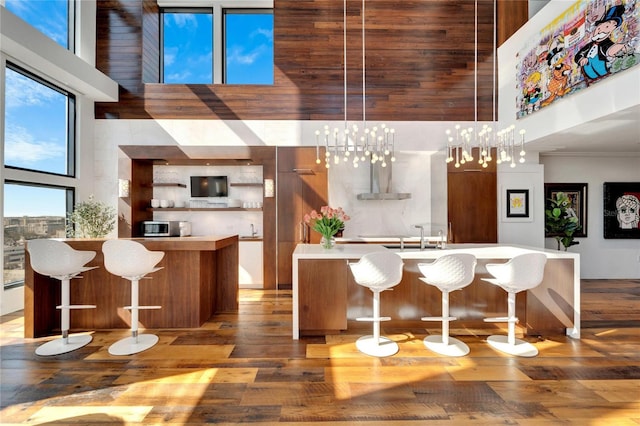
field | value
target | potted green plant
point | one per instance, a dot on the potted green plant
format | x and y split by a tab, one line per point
91	219
560	221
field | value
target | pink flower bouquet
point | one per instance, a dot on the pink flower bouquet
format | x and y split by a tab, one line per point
328	222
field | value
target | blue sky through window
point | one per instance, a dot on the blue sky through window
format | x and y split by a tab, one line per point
188	48
50	17
249	48
23	200
35	125
35	134
35	138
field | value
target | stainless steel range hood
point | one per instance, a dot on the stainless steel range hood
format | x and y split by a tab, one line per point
380	184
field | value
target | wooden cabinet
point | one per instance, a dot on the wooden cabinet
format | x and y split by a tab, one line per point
322	298
133	211
472	202
301	187
136	164
199	277
329	299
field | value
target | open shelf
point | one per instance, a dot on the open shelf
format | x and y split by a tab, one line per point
257	184
195	209
168	184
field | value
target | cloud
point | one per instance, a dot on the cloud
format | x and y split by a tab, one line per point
183	20
48	17
205	59
22	91
178	77
268	34
55	29
170	54
17	6
22	148
237	55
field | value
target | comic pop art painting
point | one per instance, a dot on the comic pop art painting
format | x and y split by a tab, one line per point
590	41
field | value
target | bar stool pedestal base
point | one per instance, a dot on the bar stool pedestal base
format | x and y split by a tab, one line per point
381	348
519	348
455	347
130	345
58	346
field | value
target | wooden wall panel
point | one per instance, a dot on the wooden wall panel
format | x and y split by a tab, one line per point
511	15
419	63
150	42
472	201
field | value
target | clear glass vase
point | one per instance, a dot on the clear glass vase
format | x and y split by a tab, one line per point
327	242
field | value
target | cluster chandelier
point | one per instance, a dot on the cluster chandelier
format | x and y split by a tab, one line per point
460	146
353	143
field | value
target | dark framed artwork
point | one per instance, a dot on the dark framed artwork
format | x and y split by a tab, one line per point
517	203
621	209
577	193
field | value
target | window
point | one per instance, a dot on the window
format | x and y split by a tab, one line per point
53	18
39	142
217	45
45	143
30	211
187	51
248	47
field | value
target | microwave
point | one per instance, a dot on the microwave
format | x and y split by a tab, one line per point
160	228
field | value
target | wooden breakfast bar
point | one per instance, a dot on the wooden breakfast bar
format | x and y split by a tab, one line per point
199	278
326	297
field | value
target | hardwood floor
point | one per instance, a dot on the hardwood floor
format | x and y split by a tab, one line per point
245	368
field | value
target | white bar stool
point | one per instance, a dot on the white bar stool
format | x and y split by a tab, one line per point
132	261
448	273
58	260
522	272
378	271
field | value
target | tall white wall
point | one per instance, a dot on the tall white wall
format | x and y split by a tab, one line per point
600	258
527	231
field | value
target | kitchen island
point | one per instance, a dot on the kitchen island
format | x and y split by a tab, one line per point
326	297
199	278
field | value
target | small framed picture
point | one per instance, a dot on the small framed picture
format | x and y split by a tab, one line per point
518	203
621	209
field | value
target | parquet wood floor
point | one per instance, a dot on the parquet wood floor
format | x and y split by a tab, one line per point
245	368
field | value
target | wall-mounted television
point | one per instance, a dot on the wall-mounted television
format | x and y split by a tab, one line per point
209	186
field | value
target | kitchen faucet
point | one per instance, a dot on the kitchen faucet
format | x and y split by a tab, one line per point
421	236
254	231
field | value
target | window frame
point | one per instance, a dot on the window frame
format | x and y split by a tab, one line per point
193	10
71	31
71	121
238	11
40	178
70	194
218	7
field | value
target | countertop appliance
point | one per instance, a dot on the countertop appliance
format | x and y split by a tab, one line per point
185	229
160	228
